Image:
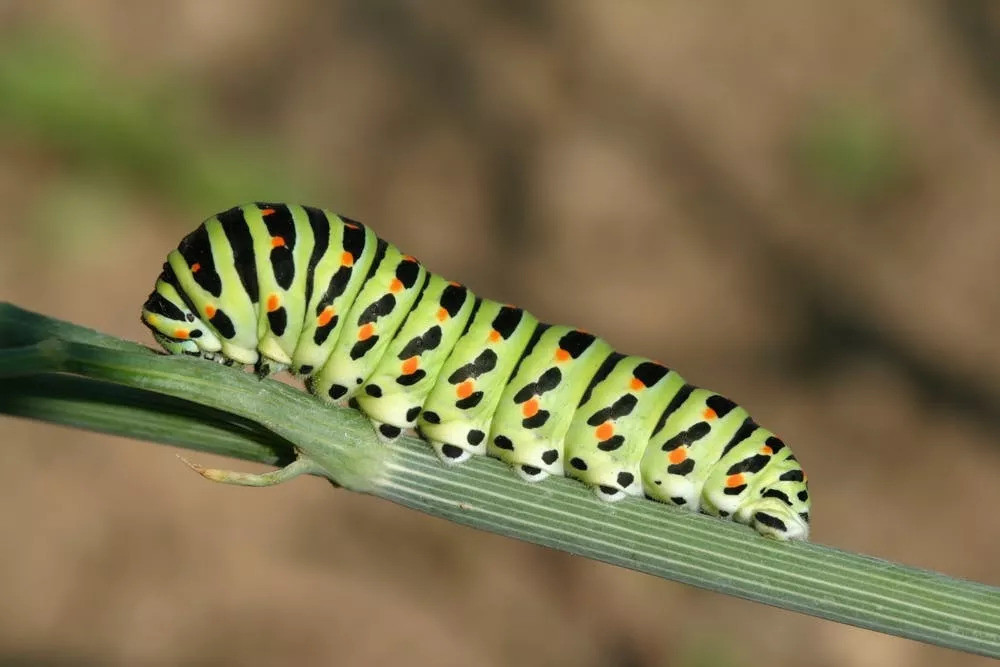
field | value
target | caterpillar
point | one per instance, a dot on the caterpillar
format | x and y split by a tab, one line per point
283	286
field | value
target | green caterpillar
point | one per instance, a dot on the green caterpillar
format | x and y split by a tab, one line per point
285	286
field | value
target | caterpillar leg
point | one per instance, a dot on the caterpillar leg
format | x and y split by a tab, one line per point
299	466
450	454
387	433
312	386
609	494
530	473
266	367
772	518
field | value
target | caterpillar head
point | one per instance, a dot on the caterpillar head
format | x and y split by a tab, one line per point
174	326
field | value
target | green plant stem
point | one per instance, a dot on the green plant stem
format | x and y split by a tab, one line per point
58	372
112	408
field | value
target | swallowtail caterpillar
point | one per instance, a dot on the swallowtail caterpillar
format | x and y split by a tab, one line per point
286	286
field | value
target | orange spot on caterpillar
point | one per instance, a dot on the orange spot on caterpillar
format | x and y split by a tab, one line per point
562	355
395	285
267	211
181	334
325	317
464	390
366	332
409	258
494	336
708	414
196	267
273	303
351	225
678	455
735	480
209	311
409	366
766	450
636	384
277	242
347	259
442	314
530	407
604	431
455	284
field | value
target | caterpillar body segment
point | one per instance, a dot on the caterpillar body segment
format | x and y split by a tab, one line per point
611	430
537	406
205	271
341	259
459	412
377	313
285	286
397	390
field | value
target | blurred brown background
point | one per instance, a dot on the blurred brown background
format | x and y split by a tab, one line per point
791	203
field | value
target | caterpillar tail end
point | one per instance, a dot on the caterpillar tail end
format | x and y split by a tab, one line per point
299	466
